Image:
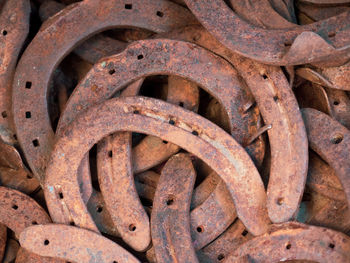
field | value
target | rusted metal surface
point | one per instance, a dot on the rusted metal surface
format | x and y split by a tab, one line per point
280	47
329	139
191	136
170	218
288	139
14	21
3	238
295	241
78	245
32	77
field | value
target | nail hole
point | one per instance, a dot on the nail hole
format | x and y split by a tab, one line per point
115	261
221	257
4	32
280	201
28	85
15	136
288	246
264	76
331	245
28	114
331	34
132	227
275	98
128	6
139	57
36	143
29	176
4	114
338	138
71	223
111	72
172	122
200	229
287	44
160	14
46	242
60	195
181	104
195	133
99	209
244	233
136	112
170	200
336	103
15	207
34	223
110	154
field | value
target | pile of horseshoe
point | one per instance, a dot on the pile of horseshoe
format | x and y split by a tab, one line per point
175	131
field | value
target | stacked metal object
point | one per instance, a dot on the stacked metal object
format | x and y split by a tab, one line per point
174	131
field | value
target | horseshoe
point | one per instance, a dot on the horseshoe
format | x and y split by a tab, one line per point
340	106
204	190
229	241
326	2
327	40
330	140
3	238
33	73
170	219
14	21
64	201
295	241
18	211
260	13
78	245
93	48
279	108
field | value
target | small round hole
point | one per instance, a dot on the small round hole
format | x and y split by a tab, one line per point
111	72
275	98
331	34
221	257
288	246
244	233
331	245
160	14
99	209
132	227
264	76
29	176
280	201
165	142
172	122
71	223
4	114
115	261
110	154
60	195
200	229
181	104
136	112
139	57
128	6
15	207
46	242
170	200
34	223
4	32
338	138
195	133
336	103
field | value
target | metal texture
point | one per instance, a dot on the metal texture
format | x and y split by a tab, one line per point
279	108
170	218
279	47
14	21
3	238
330	140
54	41
200	137
295	241
73	244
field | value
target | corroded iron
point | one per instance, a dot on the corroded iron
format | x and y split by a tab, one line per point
290	46
77	244
32	76
329	139
64	201
170	218
295	241
277	104
14	21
